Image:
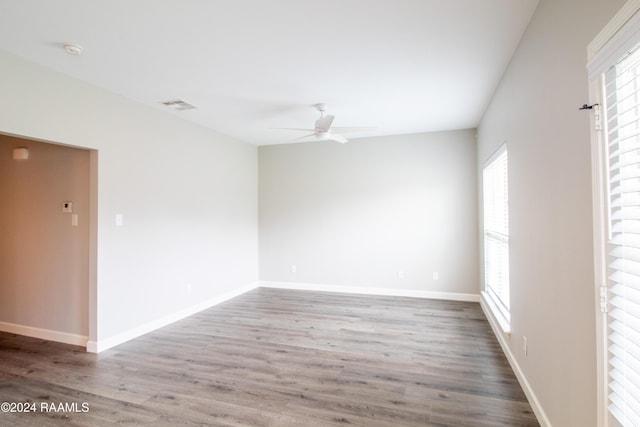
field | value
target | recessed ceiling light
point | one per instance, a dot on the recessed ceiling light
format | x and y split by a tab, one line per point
73	49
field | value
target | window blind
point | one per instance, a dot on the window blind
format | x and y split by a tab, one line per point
496	231
622	90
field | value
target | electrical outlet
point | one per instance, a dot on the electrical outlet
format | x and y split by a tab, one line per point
436	275
525	346
293	268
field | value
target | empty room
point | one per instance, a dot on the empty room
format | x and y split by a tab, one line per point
298	213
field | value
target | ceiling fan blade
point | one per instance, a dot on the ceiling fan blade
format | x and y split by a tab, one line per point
351	129
303	137
338	138
303	129
324	123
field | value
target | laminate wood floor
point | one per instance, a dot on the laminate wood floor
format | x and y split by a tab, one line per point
278	358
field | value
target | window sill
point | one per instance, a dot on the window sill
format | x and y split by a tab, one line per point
494	314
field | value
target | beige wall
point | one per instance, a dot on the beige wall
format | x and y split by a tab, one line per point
535	109
44	260
355	215
188	197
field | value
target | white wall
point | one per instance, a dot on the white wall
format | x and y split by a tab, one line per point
535	109
354	215
44	259
188	196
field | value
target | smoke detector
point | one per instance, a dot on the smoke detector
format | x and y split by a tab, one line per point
73	49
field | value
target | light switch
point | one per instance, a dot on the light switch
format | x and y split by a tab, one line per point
119	220
74	220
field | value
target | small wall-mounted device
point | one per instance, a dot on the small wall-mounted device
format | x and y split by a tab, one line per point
20	153
67	207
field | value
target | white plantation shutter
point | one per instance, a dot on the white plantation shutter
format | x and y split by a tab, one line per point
622	91
496	231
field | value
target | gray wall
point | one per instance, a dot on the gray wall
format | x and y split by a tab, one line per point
535	109
44	260
188	196
354	215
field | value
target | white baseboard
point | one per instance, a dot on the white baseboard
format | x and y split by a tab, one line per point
45	334
107	343
522	379
372	291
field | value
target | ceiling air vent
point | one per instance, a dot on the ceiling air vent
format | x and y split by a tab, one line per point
179	105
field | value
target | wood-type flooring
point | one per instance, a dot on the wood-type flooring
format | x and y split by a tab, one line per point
277	358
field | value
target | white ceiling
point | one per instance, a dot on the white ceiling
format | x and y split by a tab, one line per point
402	66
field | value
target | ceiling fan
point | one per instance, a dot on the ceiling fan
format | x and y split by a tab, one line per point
323	130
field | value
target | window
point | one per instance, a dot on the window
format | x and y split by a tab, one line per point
615	75
495	199
622	86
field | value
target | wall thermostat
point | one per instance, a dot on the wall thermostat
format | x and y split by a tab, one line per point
67	207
